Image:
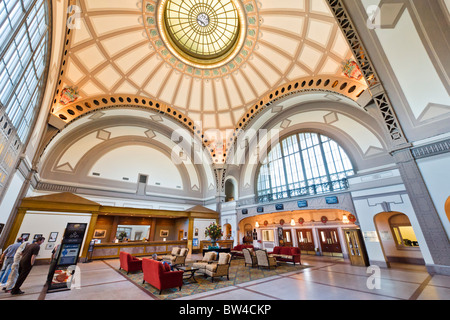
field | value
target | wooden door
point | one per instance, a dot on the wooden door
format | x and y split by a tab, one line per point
287	237
305	240
180	235
356	249
329	241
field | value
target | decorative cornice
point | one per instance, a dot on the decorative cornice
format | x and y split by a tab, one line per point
431	149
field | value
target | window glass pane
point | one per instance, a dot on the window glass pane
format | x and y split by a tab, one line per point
22	65
304	163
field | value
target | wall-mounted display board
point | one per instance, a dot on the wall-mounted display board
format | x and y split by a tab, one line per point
331	200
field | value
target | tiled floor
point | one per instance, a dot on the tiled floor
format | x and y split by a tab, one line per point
328	278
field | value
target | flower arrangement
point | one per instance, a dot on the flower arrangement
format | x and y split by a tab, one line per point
214	232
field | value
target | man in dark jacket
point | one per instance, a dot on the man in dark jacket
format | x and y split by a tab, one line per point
26	263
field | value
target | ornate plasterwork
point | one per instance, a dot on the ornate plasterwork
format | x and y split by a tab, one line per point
110	54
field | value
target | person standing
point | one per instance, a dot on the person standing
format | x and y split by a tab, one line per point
26	264
15	268
8	259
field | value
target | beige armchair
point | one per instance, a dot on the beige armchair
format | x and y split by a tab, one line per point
249	257
177	256
221	268
265	260
208	258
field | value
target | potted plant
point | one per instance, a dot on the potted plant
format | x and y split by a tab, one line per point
214	232
122	235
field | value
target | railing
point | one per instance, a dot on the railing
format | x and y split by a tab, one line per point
315	189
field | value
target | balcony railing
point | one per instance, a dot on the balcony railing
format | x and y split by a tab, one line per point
315	189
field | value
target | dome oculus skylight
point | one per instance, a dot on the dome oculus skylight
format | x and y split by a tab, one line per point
204	32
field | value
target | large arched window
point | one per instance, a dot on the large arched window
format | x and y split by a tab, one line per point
303	164
24	48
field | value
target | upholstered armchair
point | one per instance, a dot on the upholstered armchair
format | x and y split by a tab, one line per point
160	276
208	258
129	263
220	268
264	260
250	257
177	256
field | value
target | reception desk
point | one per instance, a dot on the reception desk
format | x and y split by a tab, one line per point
221	243
112	250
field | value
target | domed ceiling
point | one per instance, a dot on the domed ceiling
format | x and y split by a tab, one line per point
207	61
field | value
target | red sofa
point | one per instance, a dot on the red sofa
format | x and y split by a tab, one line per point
160	276
129	263
286	254
237	250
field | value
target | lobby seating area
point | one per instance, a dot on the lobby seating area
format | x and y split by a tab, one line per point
169	270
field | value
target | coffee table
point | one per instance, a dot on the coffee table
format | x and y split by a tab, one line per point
189	271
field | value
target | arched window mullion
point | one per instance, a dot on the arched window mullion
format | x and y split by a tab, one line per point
302	161
325	163
283	157
308	155
29	62
5	47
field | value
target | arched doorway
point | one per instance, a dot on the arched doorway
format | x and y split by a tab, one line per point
398	238
227	229
230	190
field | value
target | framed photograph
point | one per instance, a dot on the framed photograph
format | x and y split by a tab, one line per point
99	233
36	236
2	225
53	236
25	236
164	233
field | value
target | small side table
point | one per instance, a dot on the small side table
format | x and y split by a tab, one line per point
189	272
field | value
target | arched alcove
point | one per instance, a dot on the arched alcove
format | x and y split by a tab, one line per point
230	190
398	238
228	231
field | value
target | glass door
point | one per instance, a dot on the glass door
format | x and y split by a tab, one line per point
329	241
305	240
356	249
287	236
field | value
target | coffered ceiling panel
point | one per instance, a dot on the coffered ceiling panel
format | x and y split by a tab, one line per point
119	49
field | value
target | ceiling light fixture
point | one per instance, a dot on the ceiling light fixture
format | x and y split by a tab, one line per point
345	219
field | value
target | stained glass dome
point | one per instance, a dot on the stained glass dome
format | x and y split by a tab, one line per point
202	31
